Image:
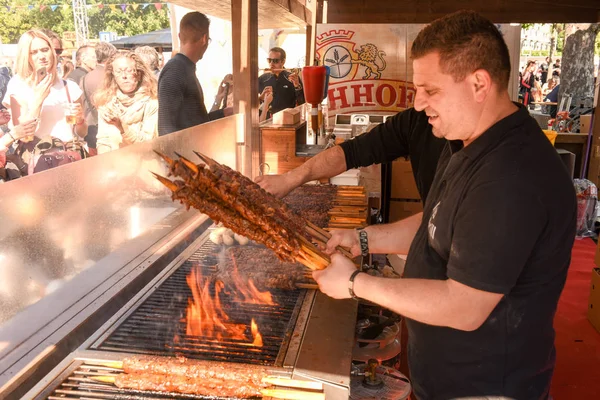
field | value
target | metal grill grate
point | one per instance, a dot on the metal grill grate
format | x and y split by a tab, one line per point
154	325
78	385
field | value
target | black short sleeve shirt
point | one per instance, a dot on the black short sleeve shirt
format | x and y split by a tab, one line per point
500	217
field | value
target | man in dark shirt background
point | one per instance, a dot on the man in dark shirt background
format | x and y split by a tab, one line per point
180	96
285	85
489	259
85	59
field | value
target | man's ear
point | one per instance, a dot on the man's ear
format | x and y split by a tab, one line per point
481	84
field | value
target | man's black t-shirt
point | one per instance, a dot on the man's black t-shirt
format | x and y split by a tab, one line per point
285	95
500	217
407	133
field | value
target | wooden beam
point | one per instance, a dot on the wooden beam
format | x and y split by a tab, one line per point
506	11
244	18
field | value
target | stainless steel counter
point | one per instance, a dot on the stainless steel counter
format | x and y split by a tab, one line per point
71	236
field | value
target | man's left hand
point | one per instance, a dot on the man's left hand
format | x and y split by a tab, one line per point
333	280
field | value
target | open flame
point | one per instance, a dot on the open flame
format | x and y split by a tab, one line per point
256	334
205	314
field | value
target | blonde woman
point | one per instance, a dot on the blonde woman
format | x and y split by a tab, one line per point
36	91
127	103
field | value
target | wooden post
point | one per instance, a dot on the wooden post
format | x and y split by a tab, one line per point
244	26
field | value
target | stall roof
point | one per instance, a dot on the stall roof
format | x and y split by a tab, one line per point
161	38
499	11
272	14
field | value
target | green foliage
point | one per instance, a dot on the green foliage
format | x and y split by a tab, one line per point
17	20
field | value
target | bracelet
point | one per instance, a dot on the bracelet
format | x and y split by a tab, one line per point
364	242
351	284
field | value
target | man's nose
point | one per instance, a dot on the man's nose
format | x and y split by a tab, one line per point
420	101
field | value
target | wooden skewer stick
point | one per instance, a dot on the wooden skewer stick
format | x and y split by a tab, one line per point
110	364
312	286
311	249
325	236
292	394
292	383
319	237
103	379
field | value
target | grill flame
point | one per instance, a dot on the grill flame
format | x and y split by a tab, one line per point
206	316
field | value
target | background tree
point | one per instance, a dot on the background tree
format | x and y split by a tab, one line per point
577	64
18	16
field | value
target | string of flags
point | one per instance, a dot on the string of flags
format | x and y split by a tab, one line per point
114	7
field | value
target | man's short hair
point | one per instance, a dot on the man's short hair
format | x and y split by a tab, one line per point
192	26
80	52
466	42
149	55
104	51
280	51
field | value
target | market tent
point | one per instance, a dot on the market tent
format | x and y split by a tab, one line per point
161	38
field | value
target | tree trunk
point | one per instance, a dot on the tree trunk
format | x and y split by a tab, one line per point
577	66
553	34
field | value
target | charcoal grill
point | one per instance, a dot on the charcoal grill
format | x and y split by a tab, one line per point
306	335
157	325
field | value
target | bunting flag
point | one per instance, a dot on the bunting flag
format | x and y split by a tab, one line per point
54	7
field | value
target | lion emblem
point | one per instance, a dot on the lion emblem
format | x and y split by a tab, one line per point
367	55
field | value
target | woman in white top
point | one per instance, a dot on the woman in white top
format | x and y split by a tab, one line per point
36	90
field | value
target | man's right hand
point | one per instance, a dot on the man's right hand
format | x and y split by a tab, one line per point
346	238
278	185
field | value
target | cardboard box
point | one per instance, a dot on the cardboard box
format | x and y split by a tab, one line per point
585	123
289	116
400	209
593	313
403	181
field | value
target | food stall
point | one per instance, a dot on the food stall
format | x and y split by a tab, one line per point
97	259
100	266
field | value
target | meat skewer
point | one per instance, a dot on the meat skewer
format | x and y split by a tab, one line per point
227	196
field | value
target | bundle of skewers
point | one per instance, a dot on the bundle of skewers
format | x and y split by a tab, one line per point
241	205
200	377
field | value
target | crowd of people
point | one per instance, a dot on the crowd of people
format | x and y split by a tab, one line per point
534	84
113	98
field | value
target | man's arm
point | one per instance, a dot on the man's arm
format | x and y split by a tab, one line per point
326	164
434	302
383	143
170	100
